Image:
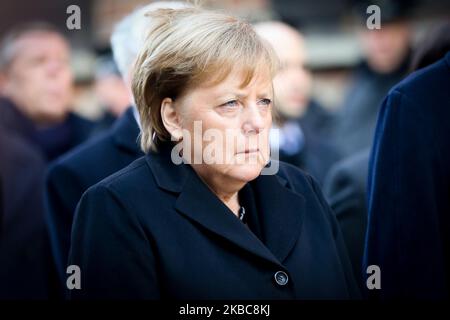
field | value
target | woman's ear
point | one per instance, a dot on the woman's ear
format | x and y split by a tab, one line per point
171	119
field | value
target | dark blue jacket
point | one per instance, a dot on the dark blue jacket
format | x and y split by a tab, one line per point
345	190
52	141
24	247
155	230
409	187
71	175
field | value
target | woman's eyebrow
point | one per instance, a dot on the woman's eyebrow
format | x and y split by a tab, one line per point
231	94
241	94
264	95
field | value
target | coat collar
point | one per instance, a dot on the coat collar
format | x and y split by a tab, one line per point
280	209
125	132
13	119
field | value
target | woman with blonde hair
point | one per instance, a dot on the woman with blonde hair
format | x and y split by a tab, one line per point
206	214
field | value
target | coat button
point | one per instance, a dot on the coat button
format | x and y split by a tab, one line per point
281	278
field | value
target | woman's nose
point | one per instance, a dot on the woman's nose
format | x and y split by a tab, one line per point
253	120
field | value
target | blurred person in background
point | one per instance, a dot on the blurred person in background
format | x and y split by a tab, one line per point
345	190
433	47
302	123
71	175
386	59
24	248
36	89
409	180
36	125
111	91
346	183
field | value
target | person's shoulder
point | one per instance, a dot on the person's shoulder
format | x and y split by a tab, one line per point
115	199
85	154
126	181
79	161
15	148
353	167
303	184
82	128
348	177
297	179
80	121
434	77
424	93
22	166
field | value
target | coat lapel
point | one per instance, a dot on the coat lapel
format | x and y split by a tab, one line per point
197	202
279	209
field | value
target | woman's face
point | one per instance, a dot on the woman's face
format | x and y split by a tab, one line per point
226	128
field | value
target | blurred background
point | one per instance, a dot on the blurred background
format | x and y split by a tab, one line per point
330	29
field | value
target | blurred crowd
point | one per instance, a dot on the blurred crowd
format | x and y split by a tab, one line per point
51	152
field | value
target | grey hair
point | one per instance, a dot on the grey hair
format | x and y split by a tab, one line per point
129	33
8	48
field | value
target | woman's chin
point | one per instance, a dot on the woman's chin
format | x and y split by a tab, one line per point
246	172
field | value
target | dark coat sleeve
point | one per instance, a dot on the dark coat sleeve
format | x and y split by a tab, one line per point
341	249
110	247
345	190
405	191
24	247
63	190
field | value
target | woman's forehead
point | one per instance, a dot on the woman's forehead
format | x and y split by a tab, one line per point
237	82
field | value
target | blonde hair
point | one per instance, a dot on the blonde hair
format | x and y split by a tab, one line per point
186	48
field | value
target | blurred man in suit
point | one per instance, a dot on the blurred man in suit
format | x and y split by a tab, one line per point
36	89
386	59
70	176
303	123
36	125
409	185
24	248
345	190
346	184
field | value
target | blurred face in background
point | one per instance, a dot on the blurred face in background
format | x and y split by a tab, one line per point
292	84
386	48
39	79
113	93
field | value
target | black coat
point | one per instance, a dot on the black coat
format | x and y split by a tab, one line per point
71	175
409	187
155	230
345	189
52	141
24	247
26	269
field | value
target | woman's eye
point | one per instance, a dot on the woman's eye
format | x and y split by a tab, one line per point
231	103
265	102
229	106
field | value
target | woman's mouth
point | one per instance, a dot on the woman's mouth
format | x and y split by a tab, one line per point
249	151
